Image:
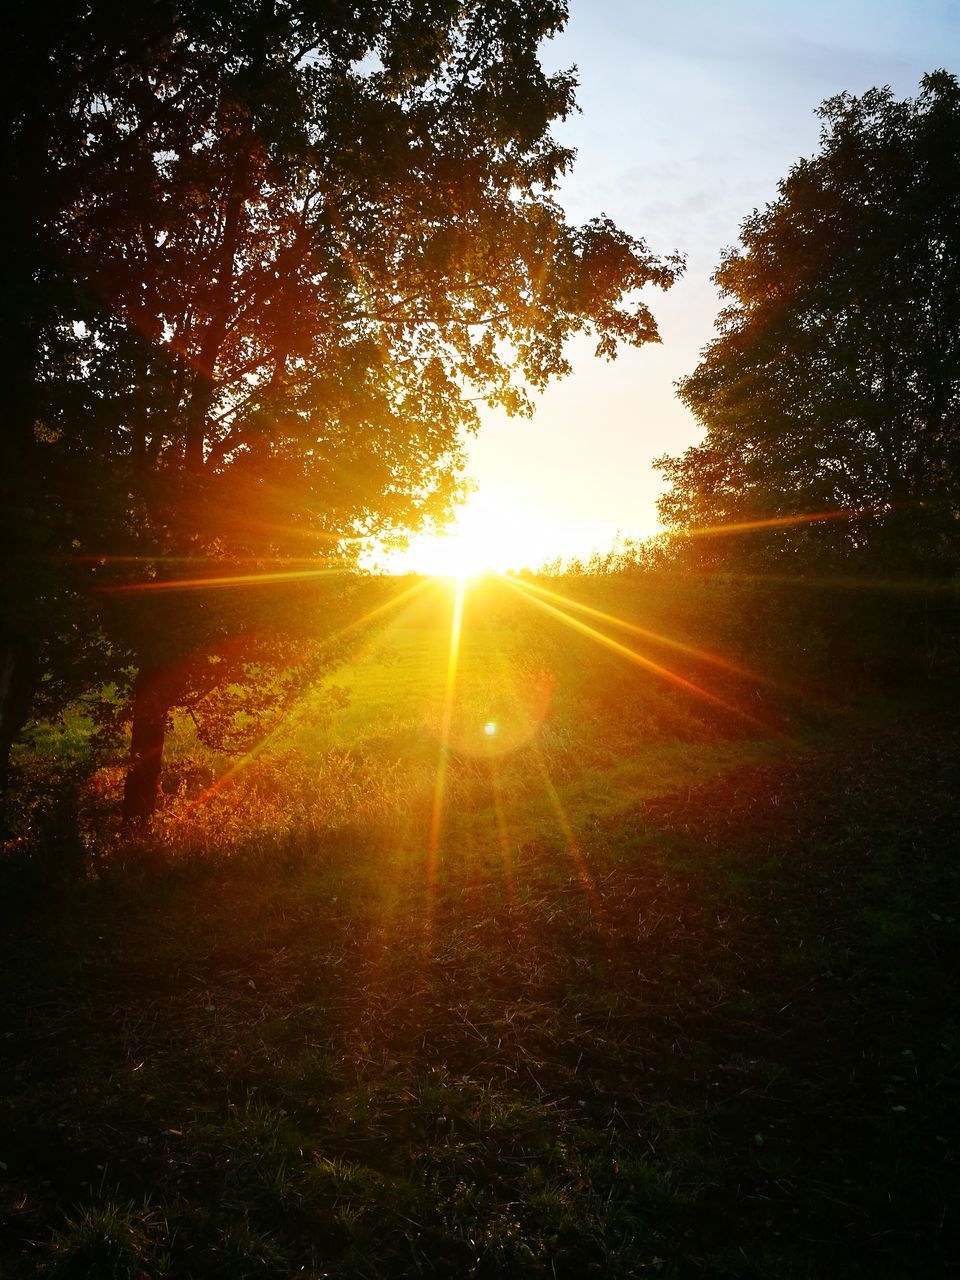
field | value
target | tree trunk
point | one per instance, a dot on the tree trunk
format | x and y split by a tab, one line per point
19	673
151	704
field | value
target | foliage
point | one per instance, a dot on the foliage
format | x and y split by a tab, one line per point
832	385
105	1239
306	242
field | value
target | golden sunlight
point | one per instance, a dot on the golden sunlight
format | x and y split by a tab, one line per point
482	538
492	532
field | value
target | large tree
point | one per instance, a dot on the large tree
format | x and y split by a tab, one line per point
833	384
311	238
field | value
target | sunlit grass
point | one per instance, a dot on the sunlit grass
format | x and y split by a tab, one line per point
633	656
576	1068
477	968
451	678
443	754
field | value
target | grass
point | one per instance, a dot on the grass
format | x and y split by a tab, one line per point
668	1000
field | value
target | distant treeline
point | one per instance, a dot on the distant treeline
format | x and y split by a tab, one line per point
823	503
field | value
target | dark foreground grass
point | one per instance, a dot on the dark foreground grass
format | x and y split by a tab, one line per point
715	1037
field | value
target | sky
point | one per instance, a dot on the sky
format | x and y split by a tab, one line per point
690	113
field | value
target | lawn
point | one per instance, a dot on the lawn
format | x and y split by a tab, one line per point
653	992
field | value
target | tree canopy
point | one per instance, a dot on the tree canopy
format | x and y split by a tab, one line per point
833	383
290	248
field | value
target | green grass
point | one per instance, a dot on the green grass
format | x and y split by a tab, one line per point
106	1239
605	734
666	999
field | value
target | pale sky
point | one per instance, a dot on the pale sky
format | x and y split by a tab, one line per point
690	112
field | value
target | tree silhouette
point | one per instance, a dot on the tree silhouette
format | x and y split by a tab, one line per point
315	237
833	383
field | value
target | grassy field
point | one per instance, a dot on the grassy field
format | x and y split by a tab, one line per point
649	984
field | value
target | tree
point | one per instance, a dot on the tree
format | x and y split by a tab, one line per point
315	235
38	609
833	384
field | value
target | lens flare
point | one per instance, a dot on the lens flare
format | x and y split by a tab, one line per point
703	655
631	655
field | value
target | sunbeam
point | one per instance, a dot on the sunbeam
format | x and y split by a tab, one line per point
778	522
503	833
632	656
301	708
230	580
106	558
570	837
852	582
449	691
553	797
703	655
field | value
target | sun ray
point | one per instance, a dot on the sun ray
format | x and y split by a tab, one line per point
503	833
569	836
703	655
555	802
632	656
301	708
853	582
446	722
226	581
404	597
496	781
104	558
777	522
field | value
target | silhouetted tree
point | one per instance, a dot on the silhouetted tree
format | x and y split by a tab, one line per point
51	58
315	235
834	380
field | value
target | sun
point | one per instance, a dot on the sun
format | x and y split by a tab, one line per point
497	530
461	554
483	538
